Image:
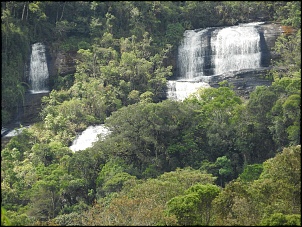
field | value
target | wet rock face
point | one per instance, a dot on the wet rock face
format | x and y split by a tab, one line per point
65	63
243	81
268	35
29	113
60	63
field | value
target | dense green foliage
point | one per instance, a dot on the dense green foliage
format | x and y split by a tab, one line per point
213	159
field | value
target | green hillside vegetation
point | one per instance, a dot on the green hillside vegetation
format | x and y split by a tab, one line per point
213	159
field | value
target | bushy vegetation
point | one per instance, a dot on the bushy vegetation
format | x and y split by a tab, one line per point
213	159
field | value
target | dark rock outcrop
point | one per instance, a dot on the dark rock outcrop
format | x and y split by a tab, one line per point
269	32
65	62
31	108
59	64
243	81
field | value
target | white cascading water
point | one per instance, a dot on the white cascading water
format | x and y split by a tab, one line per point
38	71
191	60
10	133
88	137
236	48
180	90
217	51
190	54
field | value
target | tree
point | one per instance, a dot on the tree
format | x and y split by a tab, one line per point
288	177
4	219
194	208
234	206
225	168
252	125
112	177
289	14
277	190
144	134
143	202
215	120
279	219
251	172
45	194
285	46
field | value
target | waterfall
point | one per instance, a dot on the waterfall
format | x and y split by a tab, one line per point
29	108
38	72
194	64
194	54
204	53
236	48
88	137
14	132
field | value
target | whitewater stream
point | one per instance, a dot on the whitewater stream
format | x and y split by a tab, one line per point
89	136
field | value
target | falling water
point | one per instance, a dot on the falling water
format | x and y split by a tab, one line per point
180	90
88	137
236	48
194	63
14	132
211	51
38	72
194	53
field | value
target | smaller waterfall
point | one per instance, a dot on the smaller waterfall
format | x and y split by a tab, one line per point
38	72
194	54
10	133
194	64
88	137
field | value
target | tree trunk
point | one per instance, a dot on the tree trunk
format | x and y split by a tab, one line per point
23	11
63	11
53	204
27	13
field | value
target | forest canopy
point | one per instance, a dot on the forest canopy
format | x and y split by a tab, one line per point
212	159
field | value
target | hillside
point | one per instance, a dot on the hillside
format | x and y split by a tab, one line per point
215	158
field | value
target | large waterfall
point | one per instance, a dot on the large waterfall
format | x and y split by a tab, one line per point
212	51
38	72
